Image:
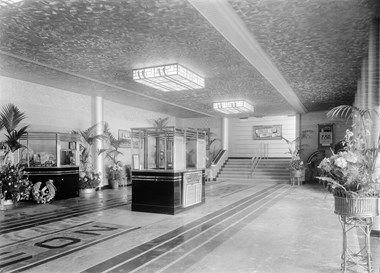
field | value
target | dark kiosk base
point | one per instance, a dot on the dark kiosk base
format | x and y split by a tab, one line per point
168	192
65	179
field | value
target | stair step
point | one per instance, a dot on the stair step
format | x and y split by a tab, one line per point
239	169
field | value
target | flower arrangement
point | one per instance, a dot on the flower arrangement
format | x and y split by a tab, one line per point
115	171
14	184
296	164
353	171
89	180
44	195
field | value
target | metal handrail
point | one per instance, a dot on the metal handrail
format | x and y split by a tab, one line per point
261	153
218	163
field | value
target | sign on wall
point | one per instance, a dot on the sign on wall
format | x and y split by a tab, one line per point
267	132
325	135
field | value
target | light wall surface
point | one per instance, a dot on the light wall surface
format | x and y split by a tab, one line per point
47	109
310	121
55	110
242	144
215	125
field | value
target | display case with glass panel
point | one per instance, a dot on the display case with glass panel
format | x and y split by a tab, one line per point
168	169
51	155
169	148
46	149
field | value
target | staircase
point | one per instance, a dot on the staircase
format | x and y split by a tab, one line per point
267	171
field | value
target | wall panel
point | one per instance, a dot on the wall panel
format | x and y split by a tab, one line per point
55	110
242	144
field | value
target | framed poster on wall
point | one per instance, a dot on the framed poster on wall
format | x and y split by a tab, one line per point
325	135
125	137
267	132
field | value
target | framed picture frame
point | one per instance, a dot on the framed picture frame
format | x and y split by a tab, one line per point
267	132
125	136
135	162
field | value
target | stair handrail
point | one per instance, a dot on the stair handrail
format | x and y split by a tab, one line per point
255	161
217	164
259	154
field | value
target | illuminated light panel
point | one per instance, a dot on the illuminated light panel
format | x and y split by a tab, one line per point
233	107
172	77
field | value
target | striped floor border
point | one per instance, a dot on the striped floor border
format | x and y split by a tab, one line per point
173	247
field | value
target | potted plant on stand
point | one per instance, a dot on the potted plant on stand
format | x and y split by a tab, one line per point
352	176
296	165
352	172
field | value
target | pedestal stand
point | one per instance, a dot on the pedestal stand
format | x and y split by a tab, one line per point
356	260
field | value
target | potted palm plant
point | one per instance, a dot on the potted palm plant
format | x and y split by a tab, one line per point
115	169
10	118
14	183
89	179
296	165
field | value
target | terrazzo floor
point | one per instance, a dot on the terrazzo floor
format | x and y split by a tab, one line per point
243	227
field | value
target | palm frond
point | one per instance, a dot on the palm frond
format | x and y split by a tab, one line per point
10	117
89	136
348	112
160	122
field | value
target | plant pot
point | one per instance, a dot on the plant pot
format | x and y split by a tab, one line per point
296	173
356	207
6	204
114	183
87	192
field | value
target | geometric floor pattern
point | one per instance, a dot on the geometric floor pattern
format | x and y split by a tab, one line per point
242	227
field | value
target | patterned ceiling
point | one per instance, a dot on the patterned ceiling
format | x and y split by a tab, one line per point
91	47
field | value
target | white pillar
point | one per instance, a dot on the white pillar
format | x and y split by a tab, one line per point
225	133
97	117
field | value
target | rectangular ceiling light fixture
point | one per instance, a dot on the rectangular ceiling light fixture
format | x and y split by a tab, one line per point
171	77
233	107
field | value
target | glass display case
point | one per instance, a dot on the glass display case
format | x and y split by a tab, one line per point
169	148
49	149
168	174
55	156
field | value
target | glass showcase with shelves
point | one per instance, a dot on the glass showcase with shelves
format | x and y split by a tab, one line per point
168	169
52	155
